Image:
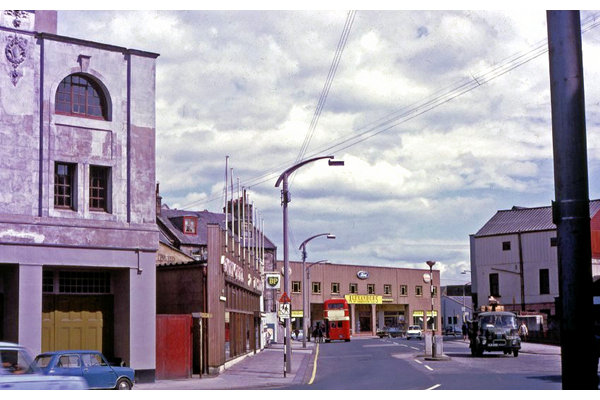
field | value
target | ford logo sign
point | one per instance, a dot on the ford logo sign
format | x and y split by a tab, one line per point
362	274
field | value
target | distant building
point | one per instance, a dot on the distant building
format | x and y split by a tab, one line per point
78	236
377	296
457	307
514	259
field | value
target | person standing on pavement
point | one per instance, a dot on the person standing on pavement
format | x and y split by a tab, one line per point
464	330
523	331
320	329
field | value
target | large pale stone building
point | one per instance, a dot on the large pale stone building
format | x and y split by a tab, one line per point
78	235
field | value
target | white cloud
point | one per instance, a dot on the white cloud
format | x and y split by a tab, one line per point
417	181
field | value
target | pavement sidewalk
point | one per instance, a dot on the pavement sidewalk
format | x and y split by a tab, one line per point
263	370
529	347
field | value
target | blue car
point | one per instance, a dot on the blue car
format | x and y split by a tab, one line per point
89	364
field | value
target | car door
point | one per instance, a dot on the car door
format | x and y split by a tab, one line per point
97	372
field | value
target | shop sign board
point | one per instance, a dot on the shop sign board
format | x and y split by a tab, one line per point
273	281
364	299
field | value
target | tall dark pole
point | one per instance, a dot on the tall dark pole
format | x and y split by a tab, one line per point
285	199
571	212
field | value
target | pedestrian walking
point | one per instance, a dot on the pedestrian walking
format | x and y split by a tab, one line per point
316	333
523	331
465	330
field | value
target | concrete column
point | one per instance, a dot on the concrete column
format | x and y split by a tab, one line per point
373	319
30	307
353	319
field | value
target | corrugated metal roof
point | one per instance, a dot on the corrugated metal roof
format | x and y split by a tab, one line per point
522	219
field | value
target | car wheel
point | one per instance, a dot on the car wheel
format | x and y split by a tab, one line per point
123	384
516	353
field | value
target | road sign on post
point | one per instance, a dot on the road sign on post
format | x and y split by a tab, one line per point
285	306
284	298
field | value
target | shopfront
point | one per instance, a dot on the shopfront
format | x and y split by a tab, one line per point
378	297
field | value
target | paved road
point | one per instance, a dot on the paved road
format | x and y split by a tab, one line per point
264	370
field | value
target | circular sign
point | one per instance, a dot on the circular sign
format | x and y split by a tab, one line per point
362	275
426	278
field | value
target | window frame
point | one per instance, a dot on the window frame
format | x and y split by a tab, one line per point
193	223
296	287
371	288
61	185
96	202
315	285
418	291
494	284
335	288
403	290
387	289
81	94
353	288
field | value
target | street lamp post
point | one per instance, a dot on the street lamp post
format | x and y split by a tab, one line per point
307	275
285	199
305	295
431	264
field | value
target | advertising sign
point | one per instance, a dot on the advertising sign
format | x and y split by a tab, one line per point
273	281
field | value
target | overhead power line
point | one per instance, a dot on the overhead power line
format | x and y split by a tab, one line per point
408	113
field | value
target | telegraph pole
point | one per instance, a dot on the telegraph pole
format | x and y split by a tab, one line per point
571	212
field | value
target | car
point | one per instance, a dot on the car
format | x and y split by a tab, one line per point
298	336
18	371
453	330
494	331
389	331
414	331
89	364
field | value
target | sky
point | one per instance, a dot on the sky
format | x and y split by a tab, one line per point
442	118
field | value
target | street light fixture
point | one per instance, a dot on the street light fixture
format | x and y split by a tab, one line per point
285	199
305	295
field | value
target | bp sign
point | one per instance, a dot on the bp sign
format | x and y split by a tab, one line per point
273	281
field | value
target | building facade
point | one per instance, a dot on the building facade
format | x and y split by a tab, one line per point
457	307
377	296
204	268
78	235
514	259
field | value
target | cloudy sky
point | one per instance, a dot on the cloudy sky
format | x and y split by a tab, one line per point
442	118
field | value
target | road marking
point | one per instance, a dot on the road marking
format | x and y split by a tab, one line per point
418	361
428	367
434	387
314	366
415	348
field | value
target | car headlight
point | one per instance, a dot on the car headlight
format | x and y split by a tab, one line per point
483	340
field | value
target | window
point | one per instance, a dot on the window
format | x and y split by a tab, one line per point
433	291
418	290
189	225
68	361
387	289
494	285
47	281
403	290
316	287
553	242
544	281
505	246
64	185
84	282
335	287
353	288
79	96
99	190
296	287
370	288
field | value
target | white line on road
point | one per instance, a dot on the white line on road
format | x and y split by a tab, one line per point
428	367
434	387
418	361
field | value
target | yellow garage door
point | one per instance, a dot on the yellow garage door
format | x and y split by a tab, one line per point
77	323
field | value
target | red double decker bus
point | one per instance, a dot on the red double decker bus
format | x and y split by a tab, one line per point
337	320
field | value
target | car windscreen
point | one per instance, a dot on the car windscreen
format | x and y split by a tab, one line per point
16	361
43	360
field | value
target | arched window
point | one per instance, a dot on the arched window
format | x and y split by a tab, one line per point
80	96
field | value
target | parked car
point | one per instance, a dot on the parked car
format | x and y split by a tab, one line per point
389	331
19	371
414	331
453	330
89	364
